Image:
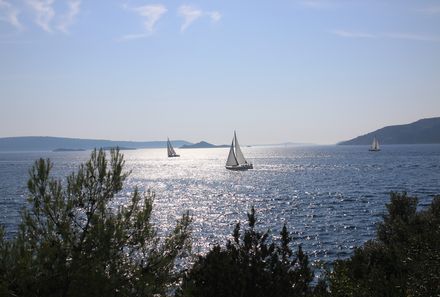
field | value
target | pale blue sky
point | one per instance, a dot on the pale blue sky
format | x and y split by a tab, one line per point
303	71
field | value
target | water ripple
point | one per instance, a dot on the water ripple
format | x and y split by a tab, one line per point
331	197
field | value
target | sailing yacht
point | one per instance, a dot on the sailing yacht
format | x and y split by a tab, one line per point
375	145
170	149
236	160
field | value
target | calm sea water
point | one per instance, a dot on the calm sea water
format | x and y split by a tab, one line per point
330	197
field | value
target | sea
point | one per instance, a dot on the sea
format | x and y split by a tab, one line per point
330	197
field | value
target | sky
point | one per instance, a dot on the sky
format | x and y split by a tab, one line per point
310	71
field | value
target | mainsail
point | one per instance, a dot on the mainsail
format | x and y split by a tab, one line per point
375	145
238	152
236	159
232	160
170	149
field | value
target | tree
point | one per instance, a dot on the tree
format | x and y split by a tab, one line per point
74	239
403	260
250	265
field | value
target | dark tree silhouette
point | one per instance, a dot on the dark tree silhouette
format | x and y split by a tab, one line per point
74	241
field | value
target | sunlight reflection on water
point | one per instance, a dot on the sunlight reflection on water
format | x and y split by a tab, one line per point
330	197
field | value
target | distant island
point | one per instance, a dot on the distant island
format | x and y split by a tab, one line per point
424	131
68	150
202	144
46	143
104	148
121	148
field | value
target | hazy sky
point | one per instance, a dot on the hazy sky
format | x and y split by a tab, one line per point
303	71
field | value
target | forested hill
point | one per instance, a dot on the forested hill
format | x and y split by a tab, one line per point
43	143
422	131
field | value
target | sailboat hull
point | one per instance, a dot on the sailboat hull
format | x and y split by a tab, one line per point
240	167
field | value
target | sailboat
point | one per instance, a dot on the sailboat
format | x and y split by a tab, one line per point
375	145
170	149
236	160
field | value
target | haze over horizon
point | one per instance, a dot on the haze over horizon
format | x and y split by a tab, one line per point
313	71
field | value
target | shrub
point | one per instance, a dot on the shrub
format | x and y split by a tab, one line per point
404	259
74	241
250	265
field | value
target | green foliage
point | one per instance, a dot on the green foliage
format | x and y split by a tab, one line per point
404	260
250	265
75	241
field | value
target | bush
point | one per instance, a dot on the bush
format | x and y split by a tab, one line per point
250	266
73	241
404	259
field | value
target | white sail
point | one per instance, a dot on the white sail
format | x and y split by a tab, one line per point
232	161
173	152
170	149
238	153
236	160
375	145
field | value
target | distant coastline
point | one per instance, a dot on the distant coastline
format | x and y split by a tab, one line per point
83	150
68	150
120	148
48	143
424	131
64	144
202	144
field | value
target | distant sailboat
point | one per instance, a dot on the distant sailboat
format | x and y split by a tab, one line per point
236	160
375	145
170	149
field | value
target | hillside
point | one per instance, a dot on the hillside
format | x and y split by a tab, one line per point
201	144
45	143
423	131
